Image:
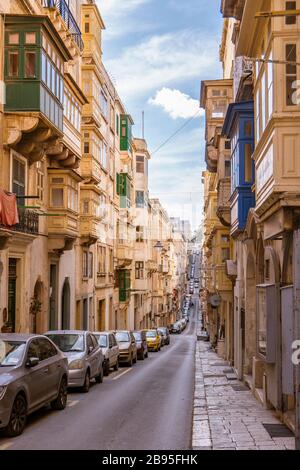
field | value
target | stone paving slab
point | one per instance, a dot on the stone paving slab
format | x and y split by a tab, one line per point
225	419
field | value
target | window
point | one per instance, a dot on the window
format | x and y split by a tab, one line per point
40	173
139	234
104	104
248	163
216	92
57	197
103	160
219	108
267	274
270	87
91	265
86	28
225	254
291	73
85	206
30	64
101	262
85	264
227	144
263	101
140	164
18	176
13	64
140	199
227	168
139	270
30	38
13	39
289	20
257	112
118	124
86	147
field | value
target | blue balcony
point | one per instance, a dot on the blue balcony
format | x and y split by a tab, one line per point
239	128
67	16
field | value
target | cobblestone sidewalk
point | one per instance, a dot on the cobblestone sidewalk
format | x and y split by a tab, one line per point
225	418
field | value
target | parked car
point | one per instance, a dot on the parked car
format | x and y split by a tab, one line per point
153	340
186	317
165	333
110	350
141	344
84	356
127	347
33	372
176	328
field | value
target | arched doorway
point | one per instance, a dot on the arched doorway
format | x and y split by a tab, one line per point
65	305
36	308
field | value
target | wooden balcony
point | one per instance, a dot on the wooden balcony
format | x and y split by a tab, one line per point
232	8
223	205
125	255
90	168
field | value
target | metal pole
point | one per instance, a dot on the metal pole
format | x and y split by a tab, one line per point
297	331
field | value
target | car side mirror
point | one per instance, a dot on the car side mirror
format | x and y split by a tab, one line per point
32	362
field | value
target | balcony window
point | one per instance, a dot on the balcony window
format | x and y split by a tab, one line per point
140	164
30	64
219	109
19	169
139	270
140	199
30	38
57	197
85	264
13	39
227	168
248	163
291	73
270	87
40	177
13	64
139	234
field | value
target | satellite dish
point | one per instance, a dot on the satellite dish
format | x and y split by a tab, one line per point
215	300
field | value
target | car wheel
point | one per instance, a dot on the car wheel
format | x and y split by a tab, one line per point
116	366
99	378
147	355
60	402
18	417
106	368
86	385
143	355
130	362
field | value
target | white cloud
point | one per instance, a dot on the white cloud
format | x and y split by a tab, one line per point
164	59
176	103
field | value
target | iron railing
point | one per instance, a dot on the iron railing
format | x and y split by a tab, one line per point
28	222
66	14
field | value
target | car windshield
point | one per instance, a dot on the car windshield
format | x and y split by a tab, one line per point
102	340
11	352
163	330
137	336
68	343
151	334
122	337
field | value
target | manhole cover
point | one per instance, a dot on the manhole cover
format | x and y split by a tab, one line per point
278	430
240	388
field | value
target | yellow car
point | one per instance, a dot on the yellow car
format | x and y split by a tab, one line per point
153	340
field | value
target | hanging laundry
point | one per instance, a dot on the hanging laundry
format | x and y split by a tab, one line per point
8	209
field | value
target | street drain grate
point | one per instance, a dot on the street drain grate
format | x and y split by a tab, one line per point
240	388
219	364
278	430
212	376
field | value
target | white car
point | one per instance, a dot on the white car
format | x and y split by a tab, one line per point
110	350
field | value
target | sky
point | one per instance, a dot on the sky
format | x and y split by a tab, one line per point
157	52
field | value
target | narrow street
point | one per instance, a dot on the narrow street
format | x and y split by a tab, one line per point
147	407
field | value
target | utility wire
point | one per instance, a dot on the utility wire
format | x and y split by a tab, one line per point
175	133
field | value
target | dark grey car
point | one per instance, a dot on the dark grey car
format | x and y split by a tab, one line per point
84	356
33	372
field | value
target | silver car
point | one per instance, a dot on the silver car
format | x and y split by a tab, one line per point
84	356
110	350
33	372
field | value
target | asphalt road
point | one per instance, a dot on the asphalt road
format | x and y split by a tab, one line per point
148	407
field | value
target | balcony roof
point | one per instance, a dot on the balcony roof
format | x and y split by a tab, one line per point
232	8
248	34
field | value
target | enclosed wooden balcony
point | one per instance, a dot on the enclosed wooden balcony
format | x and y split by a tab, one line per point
63	222
91	214
125	254
223	204
232	8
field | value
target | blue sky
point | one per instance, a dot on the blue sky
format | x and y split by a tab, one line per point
157	52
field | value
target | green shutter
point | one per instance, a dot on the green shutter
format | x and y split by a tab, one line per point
118	183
